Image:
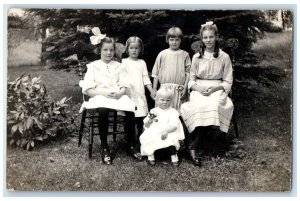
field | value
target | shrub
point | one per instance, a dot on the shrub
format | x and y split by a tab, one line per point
32	115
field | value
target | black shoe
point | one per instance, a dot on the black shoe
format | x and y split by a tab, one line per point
134	153
194	155
106	156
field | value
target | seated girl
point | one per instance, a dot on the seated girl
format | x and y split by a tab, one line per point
163	128
105	82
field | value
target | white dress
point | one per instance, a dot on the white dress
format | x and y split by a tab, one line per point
151	137
109	77
138	78
217	108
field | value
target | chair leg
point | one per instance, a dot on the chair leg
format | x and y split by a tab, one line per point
91	135
83	117
91	140
115	126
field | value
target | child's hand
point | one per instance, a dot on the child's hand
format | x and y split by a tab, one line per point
209	91
115	95
200	89
164	136
105	93
152	115
153	93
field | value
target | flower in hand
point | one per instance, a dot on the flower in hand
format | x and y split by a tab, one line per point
152	117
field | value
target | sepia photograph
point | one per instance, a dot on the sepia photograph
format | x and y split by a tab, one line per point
149	100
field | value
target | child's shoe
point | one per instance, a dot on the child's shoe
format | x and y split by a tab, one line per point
175	160
151	159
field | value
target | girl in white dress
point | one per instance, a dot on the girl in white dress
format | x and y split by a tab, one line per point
210	82
138	78
105	82
163	128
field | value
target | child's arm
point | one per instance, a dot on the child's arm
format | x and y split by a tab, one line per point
146	78
149	87
168	130
187	65
185	86
154	90
96	91
147	122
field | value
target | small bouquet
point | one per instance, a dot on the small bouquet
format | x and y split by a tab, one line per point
152	117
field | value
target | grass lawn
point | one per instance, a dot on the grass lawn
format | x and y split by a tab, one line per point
264	121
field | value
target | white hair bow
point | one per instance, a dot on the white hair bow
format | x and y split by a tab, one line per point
96	39
207	23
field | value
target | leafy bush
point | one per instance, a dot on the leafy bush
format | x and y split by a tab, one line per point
32	115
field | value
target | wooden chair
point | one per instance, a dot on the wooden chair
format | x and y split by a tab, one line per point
89	119
230	44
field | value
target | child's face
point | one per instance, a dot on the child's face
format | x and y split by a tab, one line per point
134	50
209	39
174	43
163	101
107	52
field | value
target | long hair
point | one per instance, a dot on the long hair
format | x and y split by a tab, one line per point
134	39
210	27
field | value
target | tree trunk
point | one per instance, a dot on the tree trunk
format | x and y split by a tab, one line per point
282	19
43	60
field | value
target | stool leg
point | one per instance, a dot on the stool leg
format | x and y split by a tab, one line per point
83	117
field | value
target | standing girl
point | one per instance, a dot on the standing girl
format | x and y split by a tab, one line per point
105	82
210	82
171	68
138	78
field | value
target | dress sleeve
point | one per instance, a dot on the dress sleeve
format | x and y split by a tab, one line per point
157	66
193	71
146	78
174	118
227	77
122	77
89	79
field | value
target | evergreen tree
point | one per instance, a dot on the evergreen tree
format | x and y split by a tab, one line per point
151	26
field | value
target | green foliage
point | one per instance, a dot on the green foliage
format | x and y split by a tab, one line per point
32	115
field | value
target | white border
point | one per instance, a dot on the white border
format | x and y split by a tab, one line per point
162	4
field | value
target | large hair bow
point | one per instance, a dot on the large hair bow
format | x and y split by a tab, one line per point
207	23
96	39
